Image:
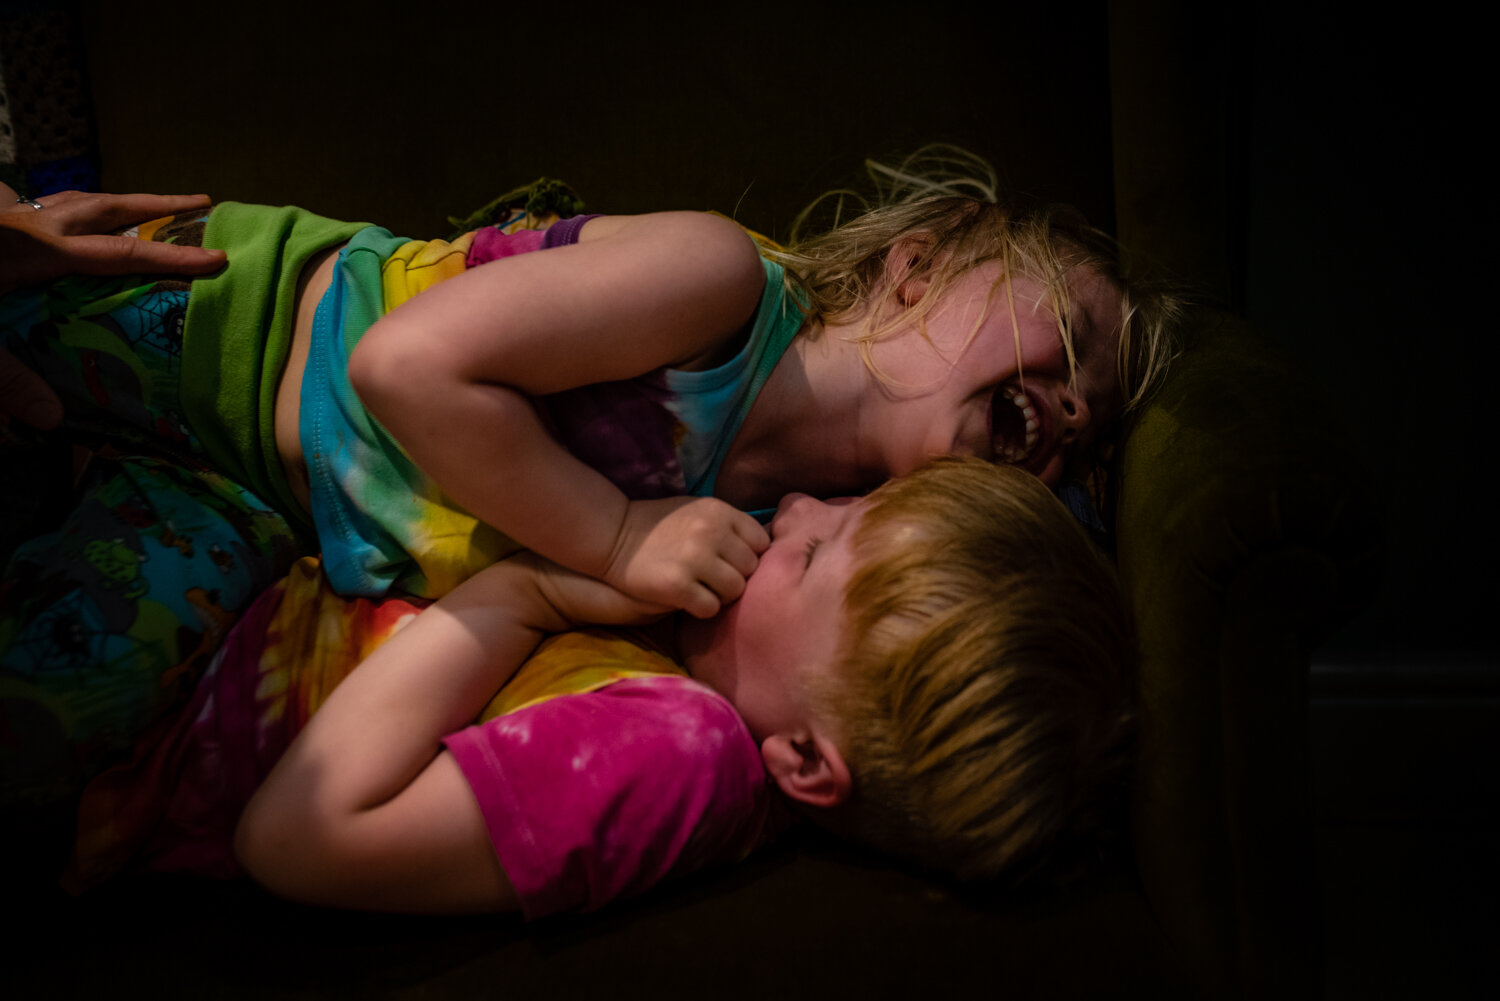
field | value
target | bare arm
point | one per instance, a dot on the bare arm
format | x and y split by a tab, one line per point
452	373
365	810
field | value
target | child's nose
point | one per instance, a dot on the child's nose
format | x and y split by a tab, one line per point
788	507
1073	413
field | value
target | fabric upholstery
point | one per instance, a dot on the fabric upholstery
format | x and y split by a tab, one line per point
1245	525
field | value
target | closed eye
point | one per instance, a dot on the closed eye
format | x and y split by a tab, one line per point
812	547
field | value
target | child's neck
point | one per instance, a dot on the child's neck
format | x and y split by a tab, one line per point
802	432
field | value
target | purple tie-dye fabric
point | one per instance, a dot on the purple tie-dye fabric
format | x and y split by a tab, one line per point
625	430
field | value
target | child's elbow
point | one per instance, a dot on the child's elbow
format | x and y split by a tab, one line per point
384	367
260	845
369	365
726	248
279	851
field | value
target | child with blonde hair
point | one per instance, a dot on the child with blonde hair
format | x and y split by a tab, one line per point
614	393
938	321
897	668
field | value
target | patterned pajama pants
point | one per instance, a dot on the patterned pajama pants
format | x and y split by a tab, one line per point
111	608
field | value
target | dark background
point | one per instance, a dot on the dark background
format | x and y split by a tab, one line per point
1320	171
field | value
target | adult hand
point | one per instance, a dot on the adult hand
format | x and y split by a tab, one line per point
71	235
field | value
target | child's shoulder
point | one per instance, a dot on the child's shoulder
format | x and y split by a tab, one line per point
701	233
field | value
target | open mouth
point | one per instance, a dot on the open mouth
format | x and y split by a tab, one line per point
1015	427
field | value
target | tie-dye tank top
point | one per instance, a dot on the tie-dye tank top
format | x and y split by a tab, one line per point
382	523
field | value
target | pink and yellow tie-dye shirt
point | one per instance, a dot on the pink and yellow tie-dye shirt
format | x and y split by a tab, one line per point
601	768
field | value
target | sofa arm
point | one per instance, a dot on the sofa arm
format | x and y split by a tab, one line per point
1246	525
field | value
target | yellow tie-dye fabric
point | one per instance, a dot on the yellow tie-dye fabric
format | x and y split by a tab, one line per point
419	265
316	638
575	662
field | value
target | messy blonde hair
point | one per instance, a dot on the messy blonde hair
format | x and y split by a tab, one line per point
942	205
985	689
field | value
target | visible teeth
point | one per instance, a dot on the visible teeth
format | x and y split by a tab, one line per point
1012	453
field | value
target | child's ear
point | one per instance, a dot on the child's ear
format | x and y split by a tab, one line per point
901	260
808	767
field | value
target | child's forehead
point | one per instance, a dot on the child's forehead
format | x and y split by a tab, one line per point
1097	303
875	530
1090	301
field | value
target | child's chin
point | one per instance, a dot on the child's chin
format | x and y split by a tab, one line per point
1047	468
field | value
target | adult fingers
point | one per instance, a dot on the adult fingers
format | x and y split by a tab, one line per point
91	212
26	396
124	255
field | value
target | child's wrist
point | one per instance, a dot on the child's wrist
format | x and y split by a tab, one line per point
538	603
514	586
621	546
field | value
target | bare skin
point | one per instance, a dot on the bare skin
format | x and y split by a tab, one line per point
985	375
314	281
633	295
368	810
674	290
72	234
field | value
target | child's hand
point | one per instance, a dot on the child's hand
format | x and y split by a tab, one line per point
576	599
688	553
